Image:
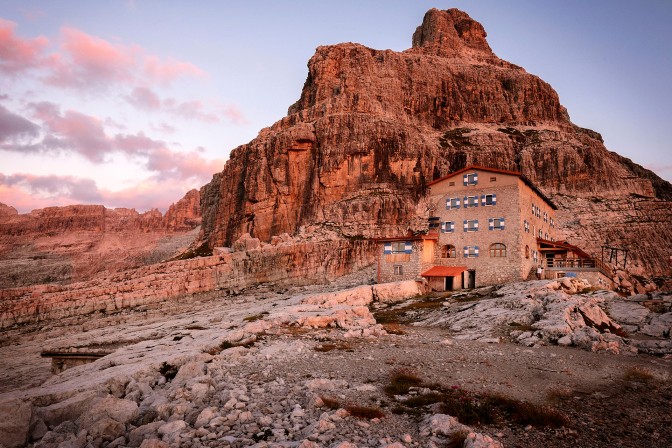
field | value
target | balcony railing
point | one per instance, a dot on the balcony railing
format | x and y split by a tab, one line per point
571	263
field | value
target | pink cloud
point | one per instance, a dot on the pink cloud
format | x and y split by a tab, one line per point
234	114
16	54
27	192
146	99
87	60
14	127
183	165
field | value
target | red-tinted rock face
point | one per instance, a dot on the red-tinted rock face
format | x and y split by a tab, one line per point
185	214
372	127
64	244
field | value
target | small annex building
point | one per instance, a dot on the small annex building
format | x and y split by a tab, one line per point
487	226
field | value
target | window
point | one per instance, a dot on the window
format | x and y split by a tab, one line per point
493	179
470	179
496	224
398	269
541	234
545	217
546	236
448	251
527	251
526	226
451	184
398	247
471	225
434	222
534	255
470	251
447	227
498	250
489	199
470	201
452	203
552	223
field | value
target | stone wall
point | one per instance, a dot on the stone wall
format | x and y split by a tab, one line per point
513	203
295	263
412	265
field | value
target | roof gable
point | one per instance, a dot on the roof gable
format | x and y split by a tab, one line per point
518	174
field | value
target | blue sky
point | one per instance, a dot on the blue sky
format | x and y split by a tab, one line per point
132	103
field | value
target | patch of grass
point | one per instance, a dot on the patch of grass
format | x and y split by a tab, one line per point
394	328
329	347
364	412
401	314
467	408
424	400
330	402
525	413
256	317
456	439
559	394
638	374
521	327
168	371
401	380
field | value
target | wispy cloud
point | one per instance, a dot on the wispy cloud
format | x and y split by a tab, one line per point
16	54
27	192
83	61
146	99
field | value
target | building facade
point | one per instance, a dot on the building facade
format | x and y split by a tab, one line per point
483	230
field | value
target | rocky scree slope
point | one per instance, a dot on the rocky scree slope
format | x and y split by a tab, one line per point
373	127
311	368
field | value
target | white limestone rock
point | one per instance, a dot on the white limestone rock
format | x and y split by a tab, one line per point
476	440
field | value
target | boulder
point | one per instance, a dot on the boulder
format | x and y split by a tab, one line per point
476	440
397	291
15	415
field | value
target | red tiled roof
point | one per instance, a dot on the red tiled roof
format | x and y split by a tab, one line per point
444	271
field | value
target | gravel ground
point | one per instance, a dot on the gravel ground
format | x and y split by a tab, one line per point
292	385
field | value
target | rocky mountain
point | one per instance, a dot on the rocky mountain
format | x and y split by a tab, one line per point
73	243
373	127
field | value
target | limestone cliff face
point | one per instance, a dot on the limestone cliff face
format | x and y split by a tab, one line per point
372	127
185	214
65	244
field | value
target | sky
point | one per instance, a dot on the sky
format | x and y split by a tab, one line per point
133	103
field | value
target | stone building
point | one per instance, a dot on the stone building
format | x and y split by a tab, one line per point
487	227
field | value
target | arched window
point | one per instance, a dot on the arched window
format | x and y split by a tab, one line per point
527	251
498	250
448	251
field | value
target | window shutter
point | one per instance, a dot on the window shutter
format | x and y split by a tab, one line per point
388	248
475	201
482	199
458	203
448	204
466	202
465	180
451	226
408	248
502	223
466	251
494	199
476	225
476	250
475	178
465	225
491	224
443	227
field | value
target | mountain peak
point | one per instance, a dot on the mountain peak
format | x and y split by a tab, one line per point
450	33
